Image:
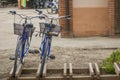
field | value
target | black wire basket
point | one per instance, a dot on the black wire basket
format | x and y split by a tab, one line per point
18	29
46	27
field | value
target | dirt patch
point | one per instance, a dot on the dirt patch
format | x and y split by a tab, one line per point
79	58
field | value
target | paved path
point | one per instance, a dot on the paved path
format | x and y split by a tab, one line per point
8	39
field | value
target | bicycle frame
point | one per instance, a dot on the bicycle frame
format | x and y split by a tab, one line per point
24	39
43	44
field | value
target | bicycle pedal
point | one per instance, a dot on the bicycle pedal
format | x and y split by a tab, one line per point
40	49
36	51
31	51
23	62
52	56
12	58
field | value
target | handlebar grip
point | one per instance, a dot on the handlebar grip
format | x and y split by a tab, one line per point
68	16
41	17
39	11
13	12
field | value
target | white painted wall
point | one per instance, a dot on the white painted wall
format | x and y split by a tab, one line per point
90	3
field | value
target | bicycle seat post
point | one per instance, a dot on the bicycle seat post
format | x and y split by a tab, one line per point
51	21
25	20
14	18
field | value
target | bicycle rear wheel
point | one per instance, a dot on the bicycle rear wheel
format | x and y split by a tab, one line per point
43	59
18	52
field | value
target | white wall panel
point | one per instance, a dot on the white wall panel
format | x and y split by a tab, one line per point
90	3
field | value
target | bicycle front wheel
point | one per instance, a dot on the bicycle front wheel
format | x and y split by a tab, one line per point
44	58
27	46
18	52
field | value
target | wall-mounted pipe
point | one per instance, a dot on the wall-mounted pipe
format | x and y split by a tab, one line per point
67	13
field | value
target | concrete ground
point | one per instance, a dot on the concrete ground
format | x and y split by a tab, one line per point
8	39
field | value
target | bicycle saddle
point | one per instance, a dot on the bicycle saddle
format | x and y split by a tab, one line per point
29	25
50	25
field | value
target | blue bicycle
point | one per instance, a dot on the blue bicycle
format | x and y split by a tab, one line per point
52	7
24	32
47	29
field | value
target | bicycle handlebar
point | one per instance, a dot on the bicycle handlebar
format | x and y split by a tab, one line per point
51	18
67	17
25	17
39	11
40	17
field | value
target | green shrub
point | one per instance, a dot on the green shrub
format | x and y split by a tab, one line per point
109	62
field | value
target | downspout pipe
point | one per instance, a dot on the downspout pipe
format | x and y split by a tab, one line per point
67	13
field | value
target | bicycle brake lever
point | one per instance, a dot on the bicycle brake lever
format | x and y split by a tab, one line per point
39	11
68	17
13	12
36	35
41	17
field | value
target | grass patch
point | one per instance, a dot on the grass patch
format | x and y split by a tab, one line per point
108	63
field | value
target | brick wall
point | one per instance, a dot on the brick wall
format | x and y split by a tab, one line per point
111	11
90	22
111	25
62	12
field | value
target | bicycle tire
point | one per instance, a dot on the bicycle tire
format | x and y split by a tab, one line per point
53	10
17	54
43	59
49	10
